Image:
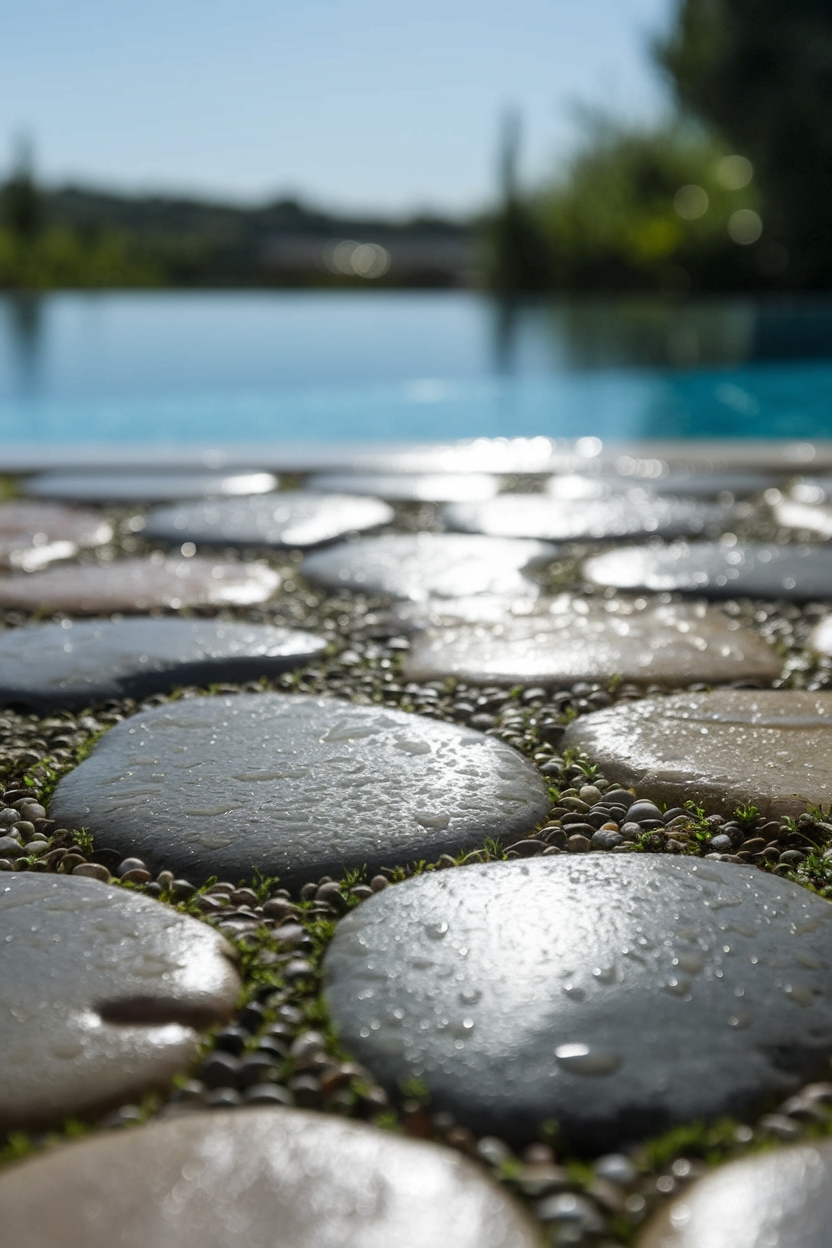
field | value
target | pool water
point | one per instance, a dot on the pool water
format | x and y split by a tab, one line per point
381	366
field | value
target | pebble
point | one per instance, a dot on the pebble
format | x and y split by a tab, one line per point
295	786
617	994
438	487
771	748
102	996
73	664
292	518
146	487
629	514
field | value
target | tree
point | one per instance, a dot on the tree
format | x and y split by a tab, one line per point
21	202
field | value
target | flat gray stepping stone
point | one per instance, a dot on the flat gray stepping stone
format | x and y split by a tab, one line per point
297	787
567	639
35	534
289	519
618	995
430	565
706	485
551	519
72	664
257	1177
147	487
771	748
717	570
439	487
139	585
102	996
781	1199
794	514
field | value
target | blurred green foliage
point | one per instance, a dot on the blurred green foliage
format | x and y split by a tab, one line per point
58	257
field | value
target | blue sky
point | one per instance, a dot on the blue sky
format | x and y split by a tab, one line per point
361	105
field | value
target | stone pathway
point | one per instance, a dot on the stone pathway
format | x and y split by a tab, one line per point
708	485
728	748
48	666
566	639
294	518
717	569
146	487
139	585
296	787
35	534
101	997
430	565
216	1180
631	514
617	995
440	487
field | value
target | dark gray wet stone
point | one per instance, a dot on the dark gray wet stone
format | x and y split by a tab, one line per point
439	487
781	1199
618	995
717	569
430	565
259	1177
102	996
289	519
72	664
295	786
138	585
629	514
147	487
770	748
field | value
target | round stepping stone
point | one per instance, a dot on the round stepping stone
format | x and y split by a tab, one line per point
35	534
771	748
717	569
794	514
781	1199
568	639
72	664
551	519
257	1177
689	485
618	996
139	585
292	518
296	787
147	487
430	565
102	996
440	487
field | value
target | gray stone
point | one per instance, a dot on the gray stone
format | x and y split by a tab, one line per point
430	565
440	487
793	513
102	996
73	664
618	995
629	514
295	786
782	1198
717	569
146	487
562	640
289	519
140	585
257	1177
770	748
34	534
689	485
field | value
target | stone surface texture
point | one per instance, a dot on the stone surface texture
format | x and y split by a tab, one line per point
627	514
289	519
771	748
619	995
295	786
439	487
562	640
430	565
262	1178
102	995
708	485
795	514
717	569
35	534
71	664
781	1199
147	487
140	584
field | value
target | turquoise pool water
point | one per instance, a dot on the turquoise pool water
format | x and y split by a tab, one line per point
378	366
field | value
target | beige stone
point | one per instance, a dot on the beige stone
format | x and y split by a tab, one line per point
35	534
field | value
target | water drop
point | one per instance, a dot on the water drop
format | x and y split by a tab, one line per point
436	931
581	1059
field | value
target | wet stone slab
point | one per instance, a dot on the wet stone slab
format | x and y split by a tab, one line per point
72	664
717	569
559	641
35	534
771	748
140	585
294	518
146	487
211	1180
619	995
631	514
710	485
102	996
431	565
439	487
297	787
781	1199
